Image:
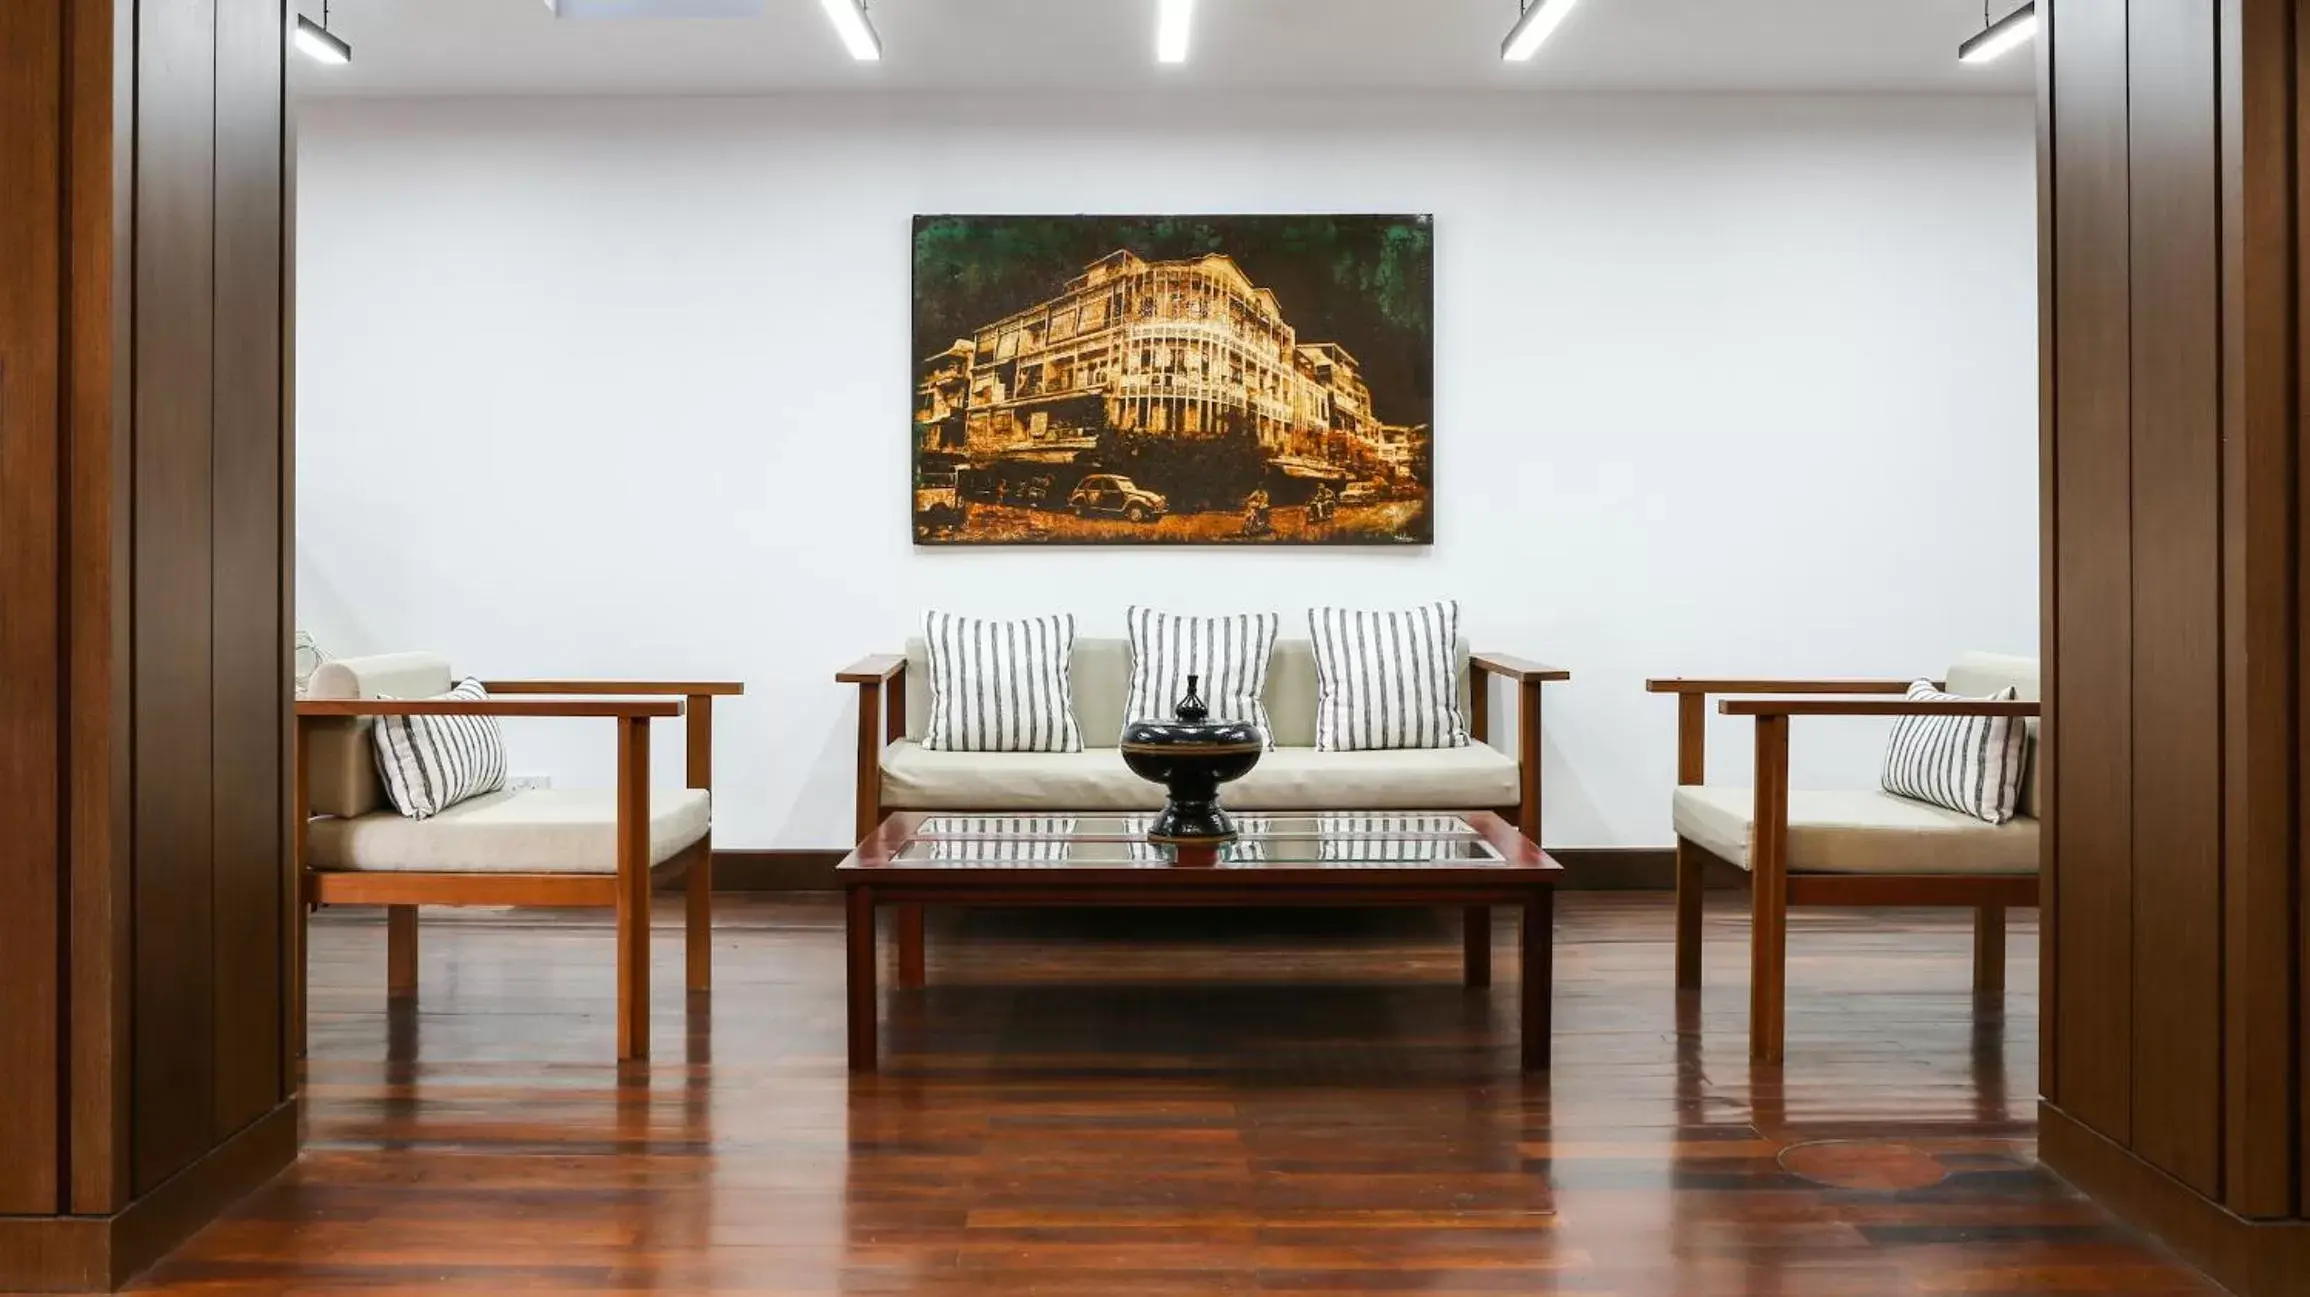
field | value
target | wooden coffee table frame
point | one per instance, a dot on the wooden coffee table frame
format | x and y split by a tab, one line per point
1525	878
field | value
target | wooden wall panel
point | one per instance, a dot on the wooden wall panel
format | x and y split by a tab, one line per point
2093	570
144	667
30	368
2260	645
101	195
2179	904
175	354
250	640
2177	652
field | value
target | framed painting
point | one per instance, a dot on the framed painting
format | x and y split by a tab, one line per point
1173	380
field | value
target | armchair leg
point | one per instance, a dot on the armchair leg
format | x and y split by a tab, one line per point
401	952
698	938
633	889
1688	898
1769	893
1989	950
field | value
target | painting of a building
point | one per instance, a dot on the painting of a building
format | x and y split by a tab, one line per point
1182	373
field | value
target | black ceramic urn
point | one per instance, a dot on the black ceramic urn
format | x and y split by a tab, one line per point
1191	756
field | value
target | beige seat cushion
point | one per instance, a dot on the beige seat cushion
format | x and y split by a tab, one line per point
533	831
1859	833
1475	777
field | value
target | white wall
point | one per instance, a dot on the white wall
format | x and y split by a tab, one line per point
611	388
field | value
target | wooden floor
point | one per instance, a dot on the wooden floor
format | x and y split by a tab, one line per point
1171	1104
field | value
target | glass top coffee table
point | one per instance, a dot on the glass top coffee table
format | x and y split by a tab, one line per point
1473	859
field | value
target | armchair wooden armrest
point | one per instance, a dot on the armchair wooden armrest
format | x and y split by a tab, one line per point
1527	676
881	681
1692	702
636	688
873	669
1785	707
1680	685
698	695
629	708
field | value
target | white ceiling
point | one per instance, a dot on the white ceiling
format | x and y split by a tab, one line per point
517	47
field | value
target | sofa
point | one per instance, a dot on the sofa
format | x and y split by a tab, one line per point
896	773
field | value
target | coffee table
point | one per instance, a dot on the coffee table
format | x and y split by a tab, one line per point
1470	859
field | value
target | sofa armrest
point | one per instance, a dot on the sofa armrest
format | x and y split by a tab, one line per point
881	681
1528	676
1521	670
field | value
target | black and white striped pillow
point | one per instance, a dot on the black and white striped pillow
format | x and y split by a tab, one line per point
1229	654
431	763
1971	764
1387	679
1000	686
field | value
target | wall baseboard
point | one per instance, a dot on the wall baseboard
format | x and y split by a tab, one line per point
1586	869
102	1253
2253	1258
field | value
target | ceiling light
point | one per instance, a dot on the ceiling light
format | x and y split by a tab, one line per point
1541	19
319	43
849	19
1171	23
1996	38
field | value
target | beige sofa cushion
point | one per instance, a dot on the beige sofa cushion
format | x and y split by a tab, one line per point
1101	677
1475	777
341	760
1978	675
1870	832
531	831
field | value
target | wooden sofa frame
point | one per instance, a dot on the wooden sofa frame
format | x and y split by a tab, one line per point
1772	889
632	705
881	681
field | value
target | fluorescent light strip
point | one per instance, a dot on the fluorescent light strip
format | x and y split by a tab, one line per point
1540	21
2013	30
1172	20
849	19
320	44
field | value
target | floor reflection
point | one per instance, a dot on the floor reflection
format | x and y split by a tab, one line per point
1196	1104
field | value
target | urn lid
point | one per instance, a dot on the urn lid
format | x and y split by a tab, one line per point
1191	729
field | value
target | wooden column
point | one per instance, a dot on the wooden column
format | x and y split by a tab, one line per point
2171	255
144	539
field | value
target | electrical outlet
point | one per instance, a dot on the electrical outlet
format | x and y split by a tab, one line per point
528	783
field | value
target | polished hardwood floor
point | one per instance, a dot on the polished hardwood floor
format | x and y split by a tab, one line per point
1173	1104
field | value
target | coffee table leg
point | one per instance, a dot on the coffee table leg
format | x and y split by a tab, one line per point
1537	949
1476	945
909	941
863	1011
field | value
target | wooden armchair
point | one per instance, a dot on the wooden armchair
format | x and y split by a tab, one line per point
534	847
1856	848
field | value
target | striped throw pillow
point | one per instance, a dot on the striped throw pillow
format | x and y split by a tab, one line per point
1971	764
431	763
1387	679
1229	655
1000	686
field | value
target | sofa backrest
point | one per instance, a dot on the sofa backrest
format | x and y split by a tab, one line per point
1980	674
340	761
1100	674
